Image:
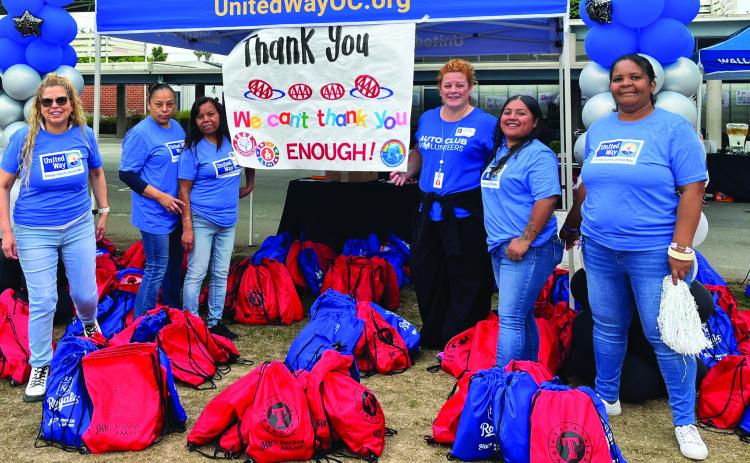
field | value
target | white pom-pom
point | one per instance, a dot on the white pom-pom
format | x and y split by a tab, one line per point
679	323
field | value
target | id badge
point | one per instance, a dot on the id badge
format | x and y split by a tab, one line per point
437	183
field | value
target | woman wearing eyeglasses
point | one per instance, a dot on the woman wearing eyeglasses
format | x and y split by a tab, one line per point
56	157
150	154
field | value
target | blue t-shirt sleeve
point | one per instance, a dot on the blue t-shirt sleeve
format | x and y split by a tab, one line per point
544	178
686	156
95	157
187	168
10	162
489	133
134	152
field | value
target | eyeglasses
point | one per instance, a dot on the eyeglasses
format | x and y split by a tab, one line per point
60	100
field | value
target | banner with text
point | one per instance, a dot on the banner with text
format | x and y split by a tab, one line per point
324	98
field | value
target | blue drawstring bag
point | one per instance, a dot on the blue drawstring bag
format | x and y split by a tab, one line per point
476	438
512	415
408	332
311	271
339	331
176	416
67	407
744	427
561	289
720	333
362	248
149	327
273	247
110	313
396	252
332	301
706	274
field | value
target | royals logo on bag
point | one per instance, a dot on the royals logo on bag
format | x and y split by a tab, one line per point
569	443
279	419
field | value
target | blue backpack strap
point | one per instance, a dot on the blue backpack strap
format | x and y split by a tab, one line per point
614	450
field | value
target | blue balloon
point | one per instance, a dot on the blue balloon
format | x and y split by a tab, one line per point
637	13
682	10
59	2
58	26
585	15
13	53
604	44
43	56
690	49
17	7
652	40
69	56
8	29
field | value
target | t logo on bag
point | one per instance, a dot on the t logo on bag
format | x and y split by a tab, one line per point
569	443
369	404
279	418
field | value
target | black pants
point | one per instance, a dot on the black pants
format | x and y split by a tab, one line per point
453	291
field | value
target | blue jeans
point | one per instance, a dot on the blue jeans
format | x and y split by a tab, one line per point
519	283
212	245
38	252
619	281
163	270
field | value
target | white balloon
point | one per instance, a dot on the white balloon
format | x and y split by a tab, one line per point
10	130
10	110
14	191
701	232
593	79
695	268
579	148
20	81
598	106
73	75
679	104
682	76
658	71
27	108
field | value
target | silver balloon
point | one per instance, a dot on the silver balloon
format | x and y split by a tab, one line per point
579	149
593	79
20	81
598	106
701	232
679	104
682	76
658	71
14	192
10	130
10	110
27	108
73	75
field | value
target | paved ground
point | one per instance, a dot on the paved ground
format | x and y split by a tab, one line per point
727	247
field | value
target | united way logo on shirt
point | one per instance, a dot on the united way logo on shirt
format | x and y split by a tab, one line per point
227	167
62	164
175	148
618	152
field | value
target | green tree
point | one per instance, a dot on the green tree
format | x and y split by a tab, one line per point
203	54
574	9
157	54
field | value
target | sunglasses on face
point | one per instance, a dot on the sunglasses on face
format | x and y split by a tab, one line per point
60	100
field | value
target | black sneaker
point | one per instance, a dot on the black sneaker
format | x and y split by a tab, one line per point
91	328
222	330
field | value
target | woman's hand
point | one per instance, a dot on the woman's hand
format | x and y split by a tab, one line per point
245	190
399	178
569	236
101	226
171	204
680	268
517	248
187	240
10	248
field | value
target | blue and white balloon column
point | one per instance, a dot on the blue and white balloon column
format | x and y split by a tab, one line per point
35	39
655	29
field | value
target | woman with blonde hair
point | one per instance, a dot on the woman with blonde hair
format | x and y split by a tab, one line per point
56	157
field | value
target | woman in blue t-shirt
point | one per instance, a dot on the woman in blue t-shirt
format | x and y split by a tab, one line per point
520	189
638	207
210	189
150	152
451	268
56	158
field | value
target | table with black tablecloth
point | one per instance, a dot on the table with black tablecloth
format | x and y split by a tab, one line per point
332	212
730	174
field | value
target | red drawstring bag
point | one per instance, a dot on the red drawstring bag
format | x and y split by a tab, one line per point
133	256
277	427
454	359
555	324
740	318
130	280
236	270
290	306
473	349
128	393
267	296
380	349
725	392
14	338
106	244
324	253
366	279
106	273
539	372
191	362
445	425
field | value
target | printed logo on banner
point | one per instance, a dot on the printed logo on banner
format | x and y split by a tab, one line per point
569	443
259	89
226	167
393	153
175	148
618	152
62	164
299	92
366	86
332	91
267	154
244	144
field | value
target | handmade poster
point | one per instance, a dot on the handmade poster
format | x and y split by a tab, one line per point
322	98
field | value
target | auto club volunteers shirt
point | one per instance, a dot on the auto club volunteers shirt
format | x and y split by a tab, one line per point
508	195
631	173
216	181
464	147
153	152
57	193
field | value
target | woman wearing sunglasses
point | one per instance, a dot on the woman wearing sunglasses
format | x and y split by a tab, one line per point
56	157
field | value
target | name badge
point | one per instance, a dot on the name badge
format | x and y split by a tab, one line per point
437	182
492	179
226	167
617	152
62	164
175	149
465	131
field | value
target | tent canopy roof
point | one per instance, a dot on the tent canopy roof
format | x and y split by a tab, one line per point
730	59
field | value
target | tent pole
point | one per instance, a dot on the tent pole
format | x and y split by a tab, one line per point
250	222
568	116
699	98
97	82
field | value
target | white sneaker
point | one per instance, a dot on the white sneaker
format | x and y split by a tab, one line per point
613	409
37	385
691	444
91	328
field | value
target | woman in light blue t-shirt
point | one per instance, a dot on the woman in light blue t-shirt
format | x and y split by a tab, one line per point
209	179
